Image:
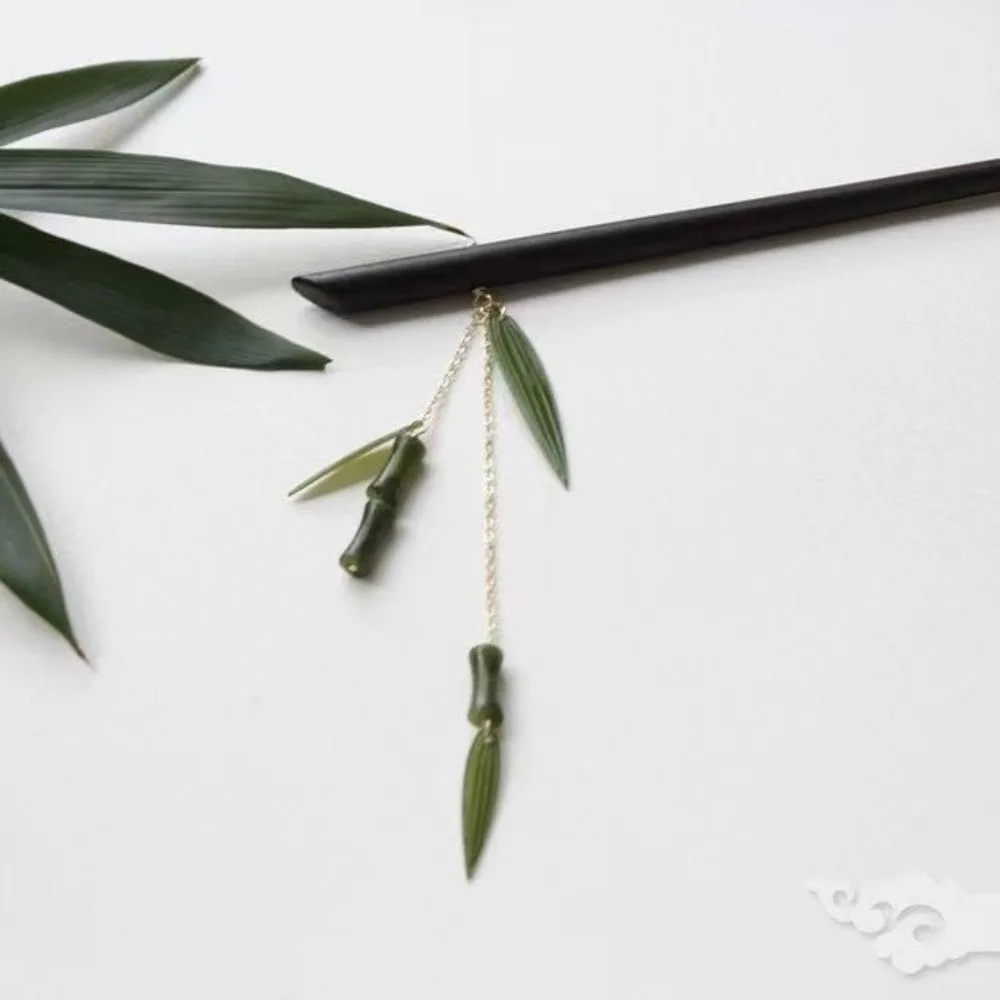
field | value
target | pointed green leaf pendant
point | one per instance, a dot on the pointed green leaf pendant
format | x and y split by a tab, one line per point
529	384
362	463
479	794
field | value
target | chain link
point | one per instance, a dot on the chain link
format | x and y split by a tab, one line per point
490	541
426	419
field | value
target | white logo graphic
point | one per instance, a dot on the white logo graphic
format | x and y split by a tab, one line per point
918	923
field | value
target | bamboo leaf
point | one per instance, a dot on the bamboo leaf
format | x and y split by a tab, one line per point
149	308
479	795
26	563
134	188
525	375
360	464
39	103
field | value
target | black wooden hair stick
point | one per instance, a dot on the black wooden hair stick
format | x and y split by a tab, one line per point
508	352
510	262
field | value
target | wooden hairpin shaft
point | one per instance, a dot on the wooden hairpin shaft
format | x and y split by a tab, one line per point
531	258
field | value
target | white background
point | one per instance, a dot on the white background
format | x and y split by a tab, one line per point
757	642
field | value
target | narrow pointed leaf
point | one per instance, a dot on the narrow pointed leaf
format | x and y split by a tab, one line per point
26	563
110	185
362	469
360	464
525	375
149	308
479	795
55	99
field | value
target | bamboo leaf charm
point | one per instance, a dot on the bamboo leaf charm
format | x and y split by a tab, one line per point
479	794
525	375
350	469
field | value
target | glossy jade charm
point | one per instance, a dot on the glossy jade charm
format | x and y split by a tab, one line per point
485	661
385	493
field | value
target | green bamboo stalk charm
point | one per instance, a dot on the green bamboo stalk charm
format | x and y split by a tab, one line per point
485	661
482	767
385	493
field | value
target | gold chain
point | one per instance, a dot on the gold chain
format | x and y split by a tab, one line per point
490	543
426	420
485	306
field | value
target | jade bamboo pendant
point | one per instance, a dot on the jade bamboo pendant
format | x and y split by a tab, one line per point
506	347
385	494
482	766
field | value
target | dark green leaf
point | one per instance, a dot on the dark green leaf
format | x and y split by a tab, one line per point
360	464
524	373
140	304
161	189
43	102
26	563
479	794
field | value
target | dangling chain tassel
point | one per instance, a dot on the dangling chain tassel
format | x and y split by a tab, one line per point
385	492
506	347
482	767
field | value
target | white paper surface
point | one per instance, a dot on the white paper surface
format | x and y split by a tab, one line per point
756	644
